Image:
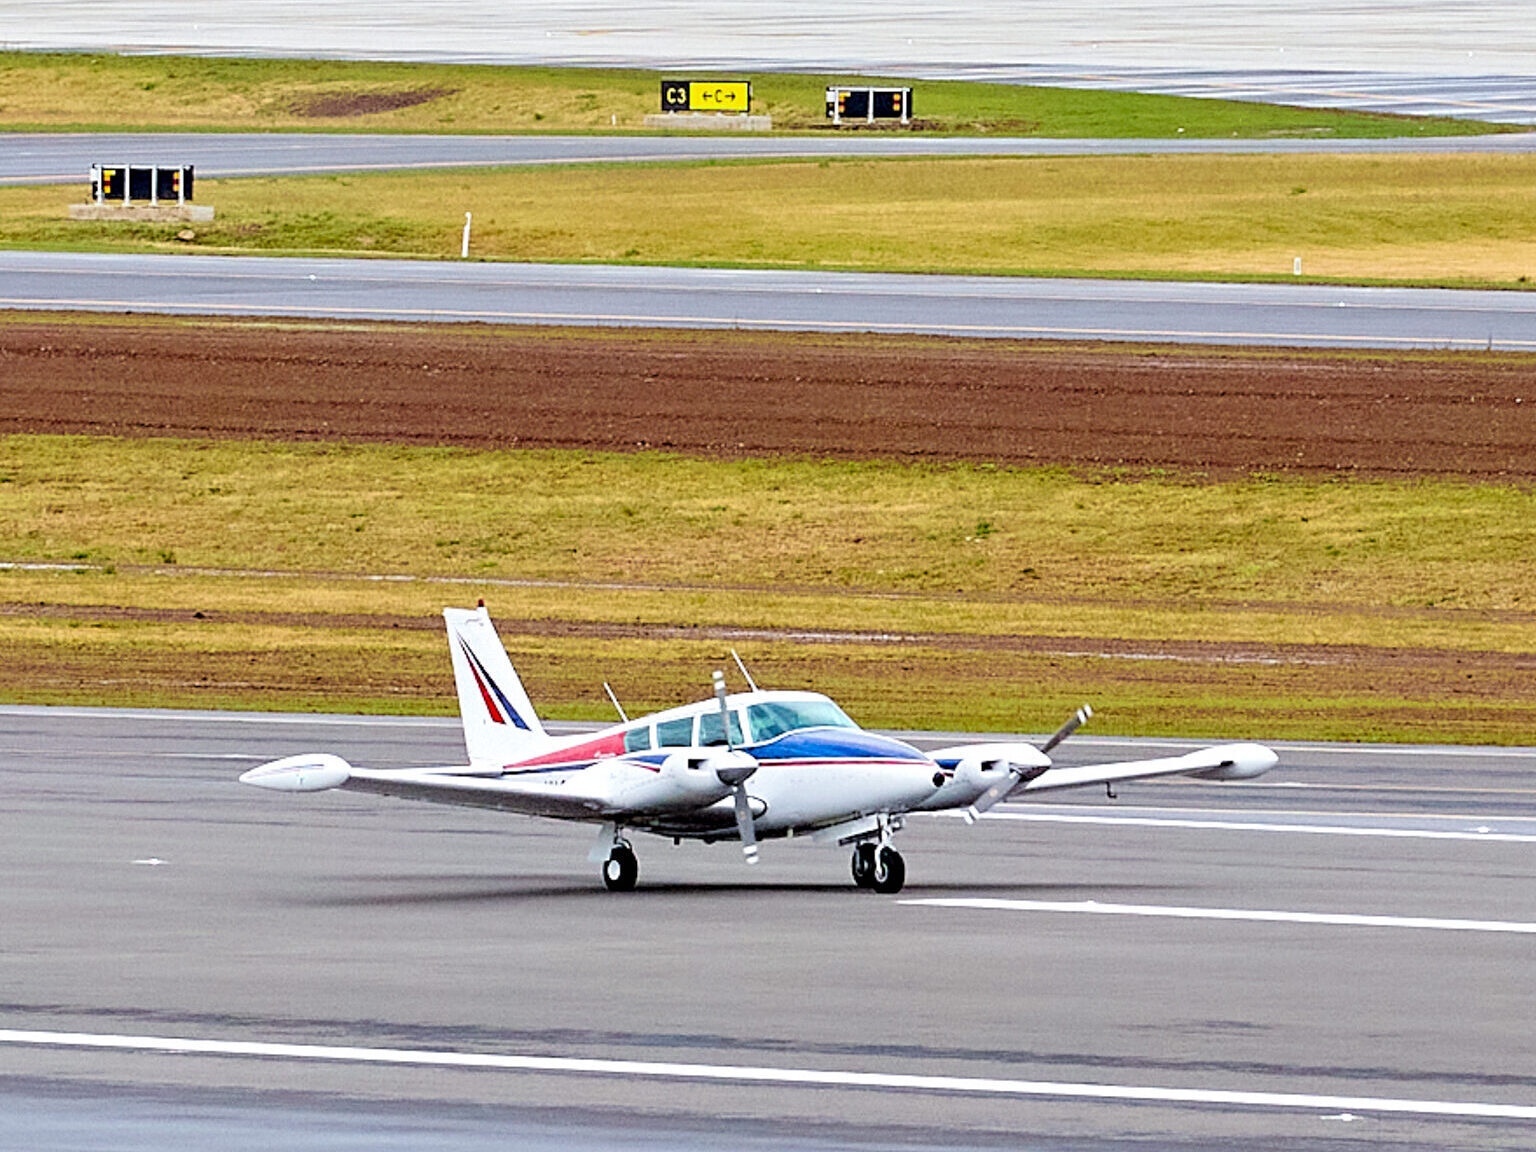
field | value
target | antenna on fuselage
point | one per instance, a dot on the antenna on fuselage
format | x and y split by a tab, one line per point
623	715
745	675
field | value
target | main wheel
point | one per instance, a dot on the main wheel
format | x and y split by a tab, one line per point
890	872
864	865
621	869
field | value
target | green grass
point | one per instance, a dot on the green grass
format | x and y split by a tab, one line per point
1369	610
873	526
1411	219
97	92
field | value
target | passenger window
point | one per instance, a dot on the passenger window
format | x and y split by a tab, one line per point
637	740
675	733
709	728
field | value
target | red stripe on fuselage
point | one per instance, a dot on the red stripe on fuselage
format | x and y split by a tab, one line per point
604	746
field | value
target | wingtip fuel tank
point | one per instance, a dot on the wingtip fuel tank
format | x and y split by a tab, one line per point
307	772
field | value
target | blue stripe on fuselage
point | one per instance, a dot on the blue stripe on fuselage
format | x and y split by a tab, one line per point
834	744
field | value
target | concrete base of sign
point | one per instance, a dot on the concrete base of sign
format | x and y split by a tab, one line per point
709	122
143	213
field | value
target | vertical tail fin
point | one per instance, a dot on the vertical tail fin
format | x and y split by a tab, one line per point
500	725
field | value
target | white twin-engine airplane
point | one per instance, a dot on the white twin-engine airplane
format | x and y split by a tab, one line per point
744	766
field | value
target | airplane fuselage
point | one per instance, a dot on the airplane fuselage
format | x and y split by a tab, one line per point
805	778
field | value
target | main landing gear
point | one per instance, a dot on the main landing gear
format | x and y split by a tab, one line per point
878	867
621	869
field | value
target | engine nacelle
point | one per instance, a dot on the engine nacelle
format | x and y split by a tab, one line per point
1237	762
975	774
977	768
683	783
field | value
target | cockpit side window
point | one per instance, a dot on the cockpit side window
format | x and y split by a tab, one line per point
710	729
638	739
675	733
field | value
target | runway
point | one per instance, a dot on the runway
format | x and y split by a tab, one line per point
66	158
619	296
1193	964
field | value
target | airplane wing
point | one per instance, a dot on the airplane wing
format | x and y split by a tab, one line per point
1220	762
531	794
646	785
528	797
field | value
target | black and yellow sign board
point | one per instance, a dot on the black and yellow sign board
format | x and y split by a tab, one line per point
127	182
869	104
706	95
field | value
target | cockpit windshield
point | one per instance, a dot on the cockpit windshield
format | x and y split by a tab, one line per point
781	716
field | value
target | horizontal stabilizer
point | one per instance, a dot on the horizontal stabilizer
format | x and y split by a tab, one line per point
308	772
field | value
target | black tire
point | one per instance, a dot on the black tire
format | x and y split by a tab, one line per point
890	872
621	870
864	865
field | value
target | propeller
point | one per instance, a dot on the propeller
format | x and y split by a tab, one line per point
734	771
1017	775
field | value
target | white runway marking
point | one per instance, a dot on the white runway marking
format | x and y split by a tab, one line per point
1267	826
793	1077
1338	919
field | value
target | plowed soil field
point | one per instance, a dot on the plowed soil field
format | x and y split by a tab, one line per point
1202	410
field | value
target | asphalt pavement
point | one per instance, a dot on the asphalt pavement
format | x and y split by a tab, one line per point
1192	965
622	296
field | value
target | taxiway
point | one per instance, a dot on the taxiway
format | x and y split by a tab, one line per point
624	296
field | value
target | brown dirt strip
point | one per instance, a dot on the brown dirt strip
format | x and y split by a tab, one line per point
738	394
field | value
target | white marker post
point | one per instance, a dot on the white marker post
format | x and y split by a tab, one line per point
464	249
1296	267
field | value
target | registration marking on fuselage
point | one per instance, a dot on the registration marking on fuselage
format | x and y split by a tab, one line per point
760	1074
1259	915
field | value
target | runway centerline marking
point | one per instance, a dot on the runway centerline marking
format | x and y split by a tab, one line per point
1268	826
791	1077
1334	919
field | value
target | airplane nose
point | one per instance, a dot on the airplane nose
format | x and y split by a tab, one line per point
914	784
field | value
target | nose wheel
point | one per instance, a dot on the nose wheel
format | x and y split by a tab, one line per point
621	869
879	868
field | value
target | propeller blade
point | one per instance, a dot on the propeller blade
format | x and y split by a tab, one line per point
735	774
725	713
992	795
1017	775
1068	728
745	826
